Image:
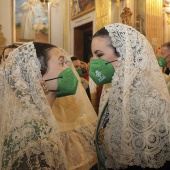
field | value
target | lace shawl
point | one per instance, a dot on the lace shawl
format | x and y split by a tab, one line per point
77	121
138	104
78	106
29	132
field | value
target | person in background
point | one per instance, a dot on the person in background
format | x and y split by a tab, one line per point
84	67
77	64
95	91
6	52
134	114
77	119
164	62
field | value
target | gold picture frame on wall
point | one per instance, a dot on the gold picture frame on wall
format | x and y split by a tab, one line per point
81	7
30	22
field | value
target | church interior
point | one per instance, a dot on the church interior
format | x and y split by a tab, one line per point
71	27
75	98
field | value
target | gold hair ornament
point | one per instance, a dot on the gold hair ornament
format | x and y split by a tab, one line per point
45	89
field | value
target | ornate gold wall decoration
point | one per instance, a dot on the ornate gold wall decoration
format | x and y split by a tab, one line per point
65	24
167	10
149	21
117	2
103	13
126	16
168	19
140	24
154	23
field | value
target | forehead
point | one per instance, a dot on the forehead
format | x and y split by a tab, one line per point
164	49
76	62
8	50
55	52
98	42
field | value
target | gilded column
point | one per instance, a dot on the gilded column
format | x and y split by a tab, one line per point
103	13
154	23
65	6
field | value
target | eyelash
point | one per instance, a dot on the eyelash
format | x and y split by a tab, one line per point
99	55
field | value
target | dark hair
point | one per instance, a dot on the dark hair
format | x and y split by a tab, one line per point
101	33
167	44
73	58
9	46
42	51
105	34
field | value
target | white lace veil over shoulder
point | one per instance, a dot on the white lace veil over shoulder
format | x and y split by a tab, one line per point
29	132
78	106
77	121
138	131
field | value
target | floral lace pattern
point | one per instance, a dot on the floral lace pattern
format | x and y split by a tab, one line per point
137	132
29	136
79	144
77	121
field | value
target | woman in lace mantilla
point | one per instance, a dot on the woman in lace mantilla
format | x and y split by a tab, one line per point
77	121
31	138
29	133
134	112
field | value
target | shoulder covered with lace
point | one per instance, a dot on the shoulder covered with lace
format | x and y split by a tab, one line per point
29	133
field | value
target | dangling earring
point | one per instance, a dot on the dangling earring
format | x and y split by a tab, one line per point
44	87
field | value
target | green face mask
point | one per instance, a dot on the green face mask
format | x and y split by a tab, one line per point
101	71
67	83
79	71
162	61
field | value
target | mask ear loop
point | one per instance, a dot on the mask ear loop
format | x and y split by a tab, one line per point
45	89
111	61
53	78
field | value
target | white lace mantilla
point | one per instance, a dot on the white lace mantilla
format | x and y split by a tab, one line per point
29	137
138	131
77	121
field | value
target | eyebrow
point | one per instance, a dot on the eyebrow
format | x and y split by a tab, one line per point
98	51
61	57
77	66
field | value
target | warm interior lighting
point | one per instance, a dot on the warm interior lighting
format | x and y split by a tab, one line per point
167	10
117	2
